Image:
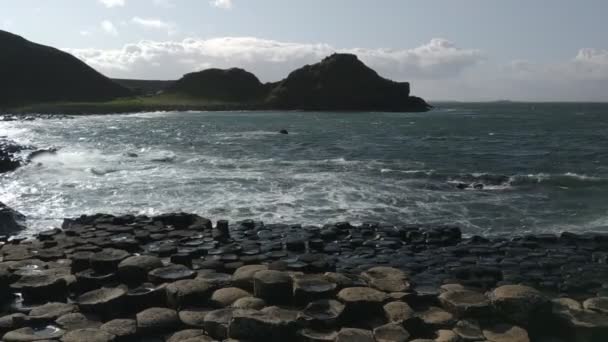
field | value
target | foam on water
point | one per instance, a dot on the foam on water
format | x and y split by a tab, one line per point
331	167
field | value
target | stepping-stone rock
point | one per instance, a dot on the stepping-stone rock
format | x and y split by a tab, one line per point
398	312
184	335
12	322
354	335
51	311
89	279
41	287
465	303
216	323
123	329
107	260
322	313
599	304
171	273
520	304
391	332
215	279
187	292
76	320
88	335
106	302
308	288
267	325
437	318
157	320
135	269
227	296
252	303
468	330
584	325
563	304
274	287
314	335
345	280
29	334
145	296
361	302
243	276
194	317
506	333
387	279
445	335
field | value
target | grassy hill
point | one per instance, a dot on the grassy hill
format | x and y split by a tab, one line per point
34	73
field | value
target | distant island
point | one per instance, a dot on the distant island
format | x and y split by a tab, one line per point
41	79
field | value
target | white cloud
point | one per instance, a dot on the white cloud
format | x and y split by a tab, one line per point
109	28
272	60
6	24
85	33
224	4
154	24
113	3
164	3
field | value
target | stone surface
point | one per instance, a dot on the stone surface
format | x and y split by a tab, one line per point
185	335
104	301
243	276
88	335
520	304
170	274
391	332
76	320
249	303
51	311
216	323
465	303
354	335
156	320
262	326
361	301
187	292
134	269
29	334
599	304
324	313
505	333
398	312
194	317
227	296
274	287
308	288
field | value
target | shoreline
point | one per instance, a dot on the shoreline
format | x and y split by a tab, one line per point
124	277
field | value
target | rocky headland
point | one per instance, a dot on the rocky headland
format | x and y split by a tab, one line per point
179	277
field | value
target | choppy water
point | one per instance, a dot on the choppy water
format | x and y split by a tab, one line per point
544	167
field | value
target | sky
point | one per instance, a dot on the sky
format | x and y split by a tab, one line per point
467	50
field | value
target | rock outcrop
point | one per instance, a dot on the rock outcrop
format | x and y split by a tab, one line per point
11	221
342	82
230	85
34	73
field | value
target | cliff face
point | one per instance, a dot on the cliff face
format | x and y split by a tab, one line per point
342	82
33	73
231	85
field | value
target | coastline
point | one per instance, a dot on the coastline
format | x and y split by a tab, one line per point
172	274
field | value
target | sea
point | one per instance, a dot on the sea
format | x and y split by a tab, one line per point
493	169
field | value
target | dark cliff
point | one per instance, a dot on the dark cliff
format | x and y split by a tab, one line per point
34	73
342	82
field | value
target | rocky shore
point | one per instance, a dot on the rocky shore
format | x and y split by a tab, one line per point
179	277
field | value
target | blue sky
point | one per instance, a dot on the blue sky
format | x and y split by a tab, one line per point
448	49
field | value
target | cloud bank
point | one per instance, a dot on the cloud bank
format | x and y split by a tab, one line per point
112	3
269	59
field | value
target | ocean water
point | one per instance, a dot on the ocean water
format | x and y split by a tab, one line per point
543	167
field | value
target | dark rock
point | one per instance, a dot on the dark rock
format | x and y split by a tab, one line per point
42	286
216	323
362	302
170	273
51	311
598	304
145	296
283	131
387	279
269	325
504	332
107	260
194	317
391	332
251	303
76	320
436	318
187	291
217	84
11	221
89	335
33	334
520	304
274	287
313	335
354	335
322	313
135	269
157	320
465	303
227	296
468	331
189	335
308	288
107	302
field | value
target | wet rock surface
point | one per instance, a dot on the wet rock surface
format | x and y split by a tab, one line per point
177	277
